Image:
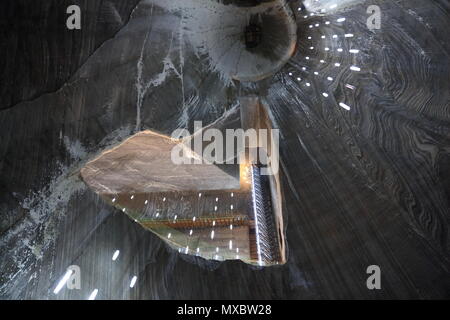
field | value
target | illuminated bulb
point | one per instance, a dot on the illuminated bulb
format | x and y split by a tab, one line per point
93	294
115	255
133	281
63	281
343	105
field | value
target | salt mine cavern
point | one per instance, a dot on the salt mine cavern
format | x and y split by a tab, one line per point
225	149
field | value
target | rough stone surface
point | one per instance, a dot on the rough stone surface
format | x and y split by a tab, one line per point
368	185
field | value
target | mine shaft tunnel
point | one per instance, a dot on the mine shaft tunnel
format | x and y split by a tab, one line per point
215	216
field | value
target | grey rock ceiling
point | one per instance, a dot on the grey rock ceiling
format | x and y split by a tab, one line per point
369	185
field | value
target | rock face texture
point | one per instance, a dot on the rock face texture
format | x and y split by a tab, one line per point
364	116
